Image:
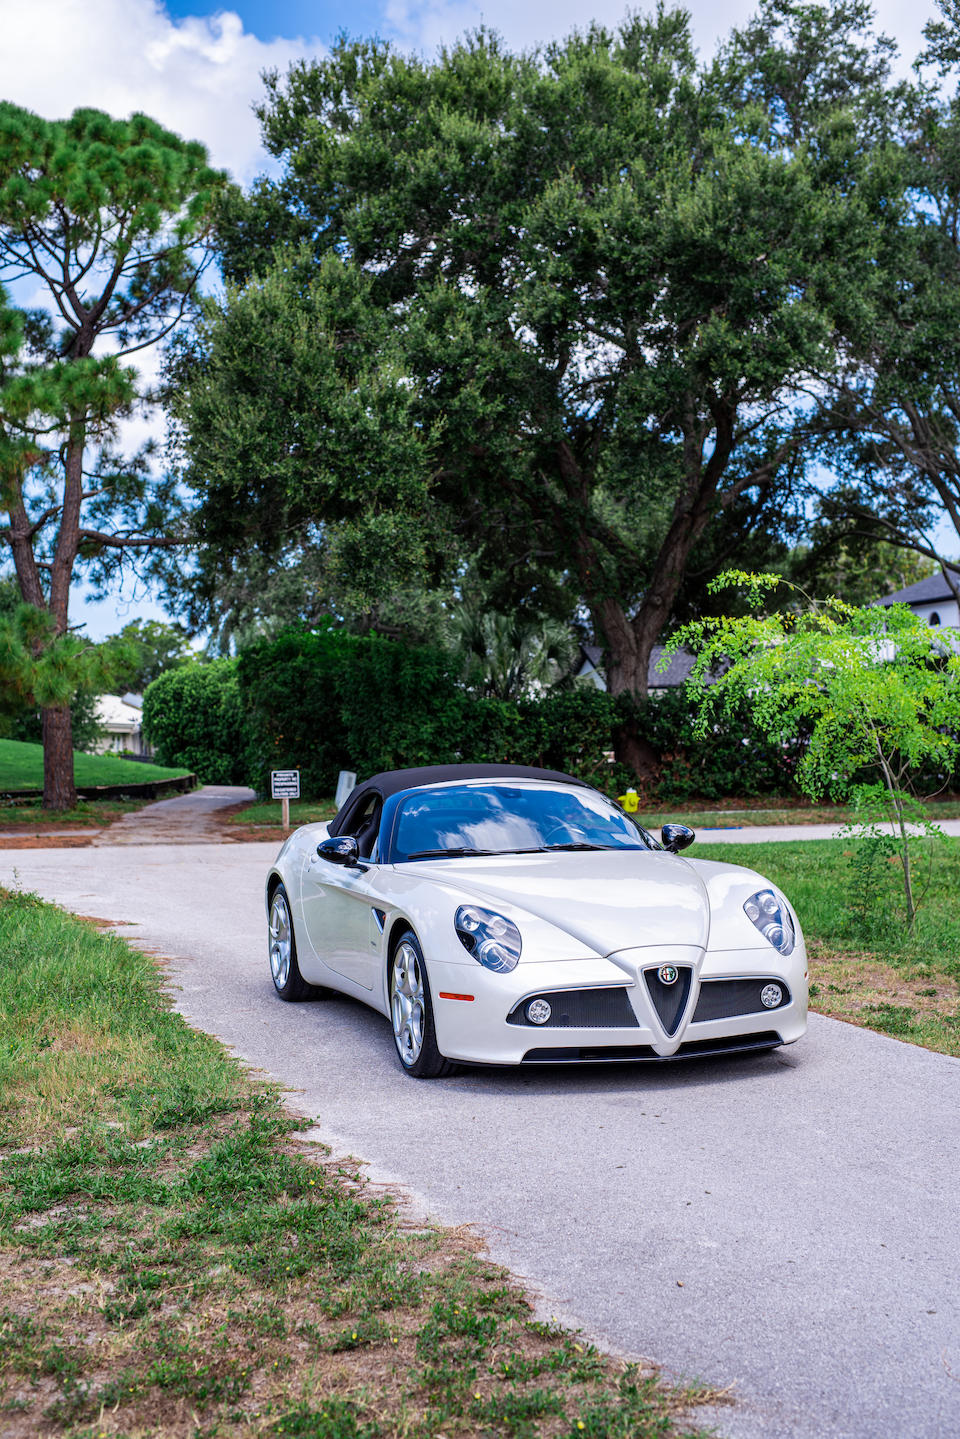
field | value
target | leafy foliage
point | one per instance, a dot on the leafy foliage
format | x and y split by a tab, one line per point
579	287
876	689
154	646
322	701
193	716
107	218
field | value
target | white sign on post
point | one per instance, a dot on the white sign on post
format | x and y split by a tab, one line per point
285	786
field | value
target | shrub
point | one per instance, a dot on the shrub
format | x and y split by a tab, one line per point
193	716
322	701
327	700
736	758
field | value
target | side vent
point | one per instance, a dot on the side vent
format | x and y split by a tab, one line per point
669	1000
380	915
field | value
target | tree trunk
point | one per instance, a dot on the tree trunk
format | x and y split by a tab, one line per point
59	791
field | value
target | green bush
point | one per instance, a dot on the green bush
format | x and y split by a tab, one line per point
737	759
322	701
193	716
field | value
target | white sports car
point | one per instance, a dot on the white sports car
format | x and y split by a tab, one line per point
504	915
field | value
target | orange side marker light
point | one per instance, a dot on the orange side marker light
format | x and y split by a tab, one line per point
445	995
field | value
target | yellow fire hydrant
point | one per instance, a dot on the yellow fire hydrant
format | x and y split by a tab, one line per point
630	801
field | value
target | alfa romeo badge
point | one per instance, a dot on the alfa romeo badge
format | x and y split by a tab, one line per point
667	974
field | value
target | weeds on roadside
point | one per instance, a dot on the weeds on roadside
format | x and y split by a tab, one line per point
172	1260
889	833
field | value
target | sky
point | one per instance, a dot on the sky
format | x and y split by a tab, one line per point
197	68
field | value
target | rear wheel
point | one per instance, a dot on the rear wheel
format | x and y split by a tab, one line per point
411	1012
282	949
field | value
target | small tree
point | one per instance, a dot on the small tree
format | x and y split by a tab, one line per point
107	220
877	690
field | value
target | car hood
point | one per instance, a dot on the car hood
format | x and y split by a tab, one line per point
608	900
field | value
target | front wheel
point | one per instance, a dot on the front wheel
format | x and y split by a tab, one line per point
282	949
411	1012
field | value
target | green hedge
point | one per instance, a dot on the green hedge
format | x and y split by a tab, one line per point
193	716
328	700
322	701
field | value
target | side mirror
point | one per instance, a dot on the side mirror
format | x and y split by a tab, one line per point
340	849
677	836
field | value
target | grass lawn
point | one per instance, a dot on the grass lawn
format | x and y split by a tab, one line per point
173	1264
864	968
729	815
21	767
267	814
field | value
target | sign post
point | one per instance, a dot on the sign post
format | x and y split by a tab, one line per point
285	786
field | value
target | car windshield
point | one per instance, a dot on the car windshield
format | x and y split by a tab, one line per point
463	820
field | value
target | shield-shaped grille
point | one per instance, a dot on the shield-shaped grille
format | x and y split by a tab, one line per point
669	1000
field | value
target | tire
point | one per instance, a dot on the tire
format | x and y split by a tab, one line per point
282	952
411	1012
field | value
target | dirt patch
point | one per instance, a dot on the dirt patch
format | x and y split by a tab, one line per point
909	1002
47	841
250	834
101	923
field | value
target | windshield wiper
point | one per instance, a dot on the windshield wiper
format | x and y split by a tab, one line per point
546	848
450	853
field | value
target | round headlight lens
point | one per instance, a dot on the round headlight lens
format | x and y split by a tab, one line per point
768	912
492	939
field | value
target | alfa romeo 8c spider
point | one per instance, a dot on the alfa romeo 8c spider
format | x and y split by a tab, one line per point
497	914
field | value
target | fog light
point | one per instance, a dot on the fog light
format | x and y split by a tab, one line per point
771	995
538	1011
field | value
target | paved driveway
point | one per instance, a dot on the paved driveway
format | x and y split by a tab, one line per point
787	1222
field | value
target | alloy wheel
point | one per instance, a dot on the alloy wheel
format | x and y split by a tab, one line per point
407	1003
280	939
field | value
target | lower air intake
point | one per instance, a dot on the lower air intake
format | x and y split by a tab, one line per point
607	1008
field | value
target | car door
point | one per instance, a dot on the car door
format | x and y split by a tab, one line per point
337	903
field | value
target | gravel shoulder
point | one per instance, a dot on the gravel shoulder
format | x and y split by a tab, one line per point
785	1222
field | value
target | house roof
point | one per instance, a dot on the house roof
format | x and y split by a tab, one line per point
678	670
924	592
115	713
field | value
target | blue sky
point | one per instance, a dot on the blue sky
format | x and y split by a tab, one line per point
293	18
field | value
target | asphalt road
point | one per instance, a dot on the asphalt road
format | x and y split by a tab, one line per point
787	1223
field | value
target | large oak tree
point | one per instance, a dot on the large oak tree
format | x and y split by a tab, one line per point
605	270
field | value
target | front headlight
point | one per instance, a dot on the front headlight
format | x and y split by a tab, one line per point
769	913
493	941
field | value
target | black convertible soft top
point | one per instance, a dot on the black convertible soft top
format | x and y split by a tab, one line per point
394	780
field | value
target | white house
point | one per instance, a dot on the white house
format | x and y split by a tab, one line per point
120	717
931	599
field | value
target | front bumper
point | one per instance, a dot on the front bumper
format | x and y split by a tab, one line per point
485	1029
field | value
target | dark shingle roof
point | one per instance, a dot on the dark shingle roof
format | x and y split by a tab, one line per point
924	592
678	670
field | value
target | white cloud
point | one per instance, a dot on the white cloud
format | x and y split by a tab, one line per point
199	77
